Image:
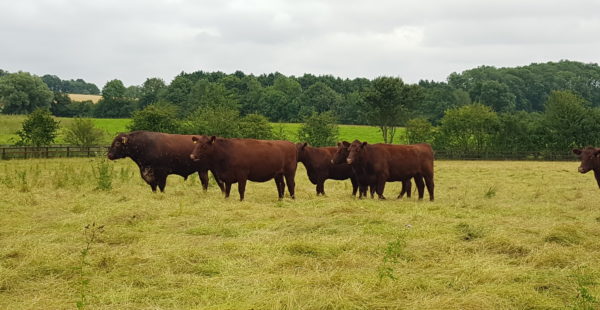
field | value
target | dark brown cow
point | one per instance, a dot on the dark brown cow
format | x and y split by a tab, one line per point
365	180
388	163
159	155
239	160
319	167
590	160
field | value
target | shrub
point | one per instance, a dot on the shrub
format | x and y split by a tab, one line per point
319	130
82	132
419	130
255	126
39	128
156	117
214	121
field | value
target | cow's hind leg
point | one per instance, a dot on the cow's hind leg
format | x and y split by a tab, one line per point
420	186
280	185
430	186
242	188
406	189
162	182
291	185
320	188
227	189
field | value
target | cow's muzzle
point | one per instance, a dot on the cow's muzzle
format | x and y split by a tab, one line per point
582	170
349	161
193	157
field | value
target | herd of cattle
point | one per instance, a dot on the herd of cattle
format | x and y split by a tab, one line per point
368	166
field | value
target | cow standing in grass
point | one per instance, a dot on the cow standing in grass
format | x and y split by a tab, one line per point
590	160
319	166
381	163
159	155
240	160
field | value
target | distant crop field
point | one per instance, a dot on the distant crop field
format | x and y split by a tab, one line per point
81	97
9	124
500	235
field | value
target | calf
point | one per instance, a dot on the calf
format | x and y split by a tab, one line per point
319	166
158	155
240	160
590	160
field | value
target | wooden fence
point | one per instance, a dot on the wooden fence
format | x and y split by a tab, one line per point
24	152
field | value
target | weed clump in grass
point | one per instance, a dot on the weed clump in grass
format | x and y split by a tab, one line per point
468	232
491	192
90	234
22	180
393	252
102	170
564	235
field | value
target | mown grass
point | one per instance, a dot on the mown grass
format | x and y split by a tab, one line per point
534	244
9	124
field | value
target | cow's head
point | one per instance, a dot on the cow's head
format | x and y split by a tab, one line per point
301	149
119	146
355	151
590	158
203	147
341	153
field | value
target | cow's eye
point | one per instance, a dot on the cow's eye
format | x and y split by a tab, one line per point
117	143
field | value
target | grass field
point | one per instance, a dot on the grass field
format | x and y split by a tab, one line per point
500	235
9	124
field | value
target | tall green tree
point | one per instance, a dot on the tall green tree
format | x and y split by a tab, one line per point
387	104
151	91
22	93
570	121
114	102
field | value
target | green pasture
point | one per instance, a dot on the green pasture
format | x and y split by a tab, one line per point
500	235
9	124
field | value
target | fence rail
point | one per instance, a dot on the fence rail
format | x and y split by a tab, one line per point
24	152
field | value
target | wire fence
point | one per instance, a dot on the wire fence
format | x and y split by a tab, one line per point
25	152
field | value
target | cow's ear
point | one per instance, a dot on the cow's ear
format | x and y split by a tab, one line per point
597	153
124	139
304	145
576	151
212	139
195	139
346	143
364	144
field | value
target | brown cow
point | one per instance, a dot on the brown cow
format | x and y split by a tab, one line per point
159	155
590	160
319	167
239	160
365	180
388	163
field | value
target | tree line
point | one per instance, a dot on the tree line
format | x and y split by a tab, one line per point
546	106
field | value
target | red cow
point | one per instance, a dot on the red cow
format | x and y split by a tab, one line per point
319	166
388	163
590	160
240	160
159	155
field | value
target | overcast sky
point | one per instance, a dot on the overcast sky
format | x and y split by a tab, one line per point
101	40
